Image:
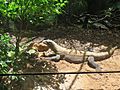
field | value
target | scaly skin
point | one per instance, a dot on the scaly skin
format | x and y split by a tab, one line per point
75	55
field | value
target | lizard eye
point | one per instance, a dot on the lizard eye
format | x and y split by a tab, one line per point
48	42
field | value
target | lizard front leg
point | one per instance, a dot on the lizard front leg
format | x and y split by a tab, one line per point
91	63
55	58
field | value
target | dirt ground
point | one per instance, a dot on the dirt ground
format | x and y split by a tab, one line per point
74	37
92	81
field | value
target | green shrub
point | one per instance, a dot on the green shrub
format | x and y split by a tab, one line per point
7	51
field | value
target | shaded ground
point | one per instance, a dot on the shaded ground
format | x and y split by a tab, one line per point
74	37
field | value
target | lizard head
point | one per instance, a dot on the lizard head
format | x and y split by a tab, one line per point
51	44
48	42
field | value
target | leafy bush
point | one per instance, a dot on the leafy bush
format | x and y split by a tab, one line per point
7	59
7	51
31	12
24	62
24	15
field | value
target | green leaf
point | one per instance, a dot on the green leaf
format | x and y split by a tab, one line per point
61	1
11	53
3	64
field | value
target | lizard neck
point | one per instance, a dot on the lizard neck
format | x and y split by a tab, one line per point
57	48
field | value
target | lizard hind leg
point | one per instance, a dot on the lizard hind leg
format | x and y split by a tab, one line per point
92	64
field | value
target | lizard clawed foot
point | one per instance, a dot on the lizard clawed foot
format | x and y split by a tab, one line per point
92	64
98	69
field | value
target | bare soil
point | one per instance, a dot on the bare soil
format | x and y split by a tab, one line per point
76	38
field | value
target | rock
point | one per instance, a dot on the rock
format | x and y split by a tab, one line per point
39	47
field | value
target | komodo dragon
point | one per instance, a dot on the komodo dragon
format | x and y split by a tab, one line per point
75	56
